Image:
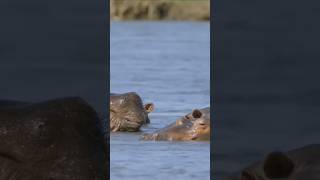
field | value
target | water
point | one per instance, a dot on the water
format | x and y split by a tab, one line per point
166	63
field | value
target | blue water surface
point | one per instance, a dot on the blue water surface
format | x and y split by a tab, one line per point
167	63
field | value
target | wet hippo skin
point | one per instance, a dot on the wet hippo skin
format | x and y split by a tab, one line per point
127	112
193	126
298	164
59	139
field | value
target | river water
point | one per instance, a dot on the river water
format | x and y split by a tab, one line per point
167	63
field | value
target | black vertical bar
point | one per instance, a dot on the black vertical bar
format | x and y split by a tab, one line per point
54	49
212	60
108	85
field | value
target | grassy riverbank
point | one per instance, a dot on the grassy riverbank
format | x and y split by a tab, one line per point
187	10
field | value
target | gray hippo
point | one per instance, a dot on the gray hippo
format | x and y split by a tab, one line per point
127	112
193	126
298	164
59	139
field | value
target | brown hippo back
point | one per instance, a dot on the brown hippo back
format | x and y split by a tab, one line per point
60	139
298	164
193	126
127	112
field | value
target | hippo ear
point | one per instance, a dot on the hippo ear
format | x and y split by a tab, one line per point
277	165
149	107
196	113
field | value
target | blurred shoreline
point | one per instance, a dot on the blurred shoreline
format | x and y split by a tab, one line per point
175	10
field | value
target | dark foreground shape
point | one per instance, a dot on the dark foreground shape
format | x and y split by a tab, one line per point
60	139
193	126
127	112
298	164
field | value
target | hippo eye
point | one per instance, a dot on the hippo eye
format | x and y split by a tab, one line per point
187	117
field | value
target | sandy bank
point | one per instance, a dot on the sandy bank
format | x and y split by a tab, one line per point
193	10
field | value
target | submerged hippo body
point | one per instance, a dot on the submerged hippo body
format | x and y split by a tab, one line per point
193	126
298	164
127	112
59	139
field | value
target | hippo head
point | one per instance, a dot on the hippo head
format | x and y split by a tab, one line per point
193	126
276	165
127	112
196	124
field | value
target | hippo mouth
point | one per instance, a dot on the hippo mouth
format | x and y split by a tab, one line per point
125	123
202	127
130	125
201	132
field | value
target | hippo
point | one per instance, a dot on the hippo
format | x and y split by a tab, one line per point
127	112
59	139
193	126
298	164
